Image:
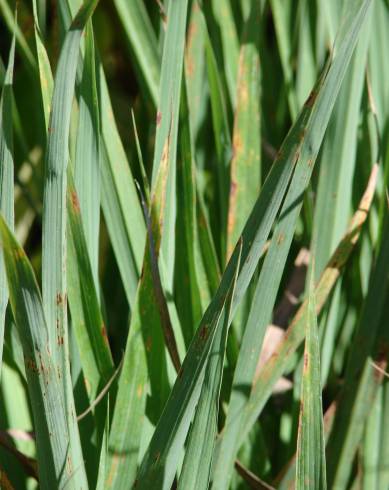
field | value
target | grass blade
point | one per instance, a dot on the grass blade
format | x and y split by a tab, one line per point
87	161
196	469
246	143
143	43
54	222
310	464
87	320
167	121
6	179
56	468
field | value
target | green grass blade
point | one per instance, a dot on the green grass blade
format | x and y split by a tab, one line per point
56	468
383	447
246	142
143	43
282	13
222	137
167	121
45	75
229	43
310	456
162	456
54	221
87	161
370	445
189	300
87	320
196	469
195	66
6	179
103	454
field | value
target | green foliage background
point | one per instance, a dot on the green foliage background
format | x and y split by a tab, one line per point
194	250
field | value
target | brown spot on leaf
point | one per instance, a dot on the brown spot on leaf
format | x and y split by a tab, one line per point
311	99
306	360
75	201
139	391
149	343
157	457
104	333
159	118
19	254
69	466
204	333
280	238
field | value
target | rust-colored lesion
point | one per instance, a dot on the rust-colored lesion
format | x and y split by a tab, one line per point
149	343
306	361
311	98
139	391
104	333
75	202
19	254
157	458
61	299
159	118
280	239
32	366
204	330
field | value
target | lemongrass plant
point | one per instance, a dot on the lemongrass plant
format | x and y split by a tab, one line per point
169	172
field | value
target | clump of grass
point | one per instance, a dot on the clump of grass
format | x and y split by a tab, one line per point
161	168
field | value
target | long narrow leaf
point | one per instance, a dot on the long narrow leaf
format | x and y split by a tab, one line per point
310	465
56	468
54	221
6	179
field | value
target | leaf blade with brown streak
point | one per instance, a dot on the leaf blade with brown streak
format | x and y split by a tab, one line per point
56	466
246	140
54	290
6	179
310	465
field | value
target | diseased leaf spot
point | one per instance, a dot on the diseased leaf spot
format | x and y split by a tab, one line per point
75	201
139	391
204	333
311	99
149	344
280	239
104	333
